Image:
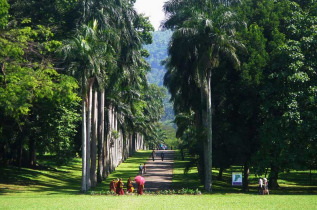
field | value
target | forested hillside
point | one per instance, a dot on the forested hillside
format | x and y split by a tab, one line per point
158	52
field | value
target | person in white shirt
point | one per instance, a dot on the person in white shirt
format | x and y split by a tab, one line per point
266	186
260	186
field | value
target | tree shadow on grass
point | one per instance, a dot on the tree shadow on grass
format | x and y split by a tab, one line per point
19	180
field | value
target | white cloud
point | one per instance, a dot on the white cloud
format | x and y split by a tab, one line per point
153	9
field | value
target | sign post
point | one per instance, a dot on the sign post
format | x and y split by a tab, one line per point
236	178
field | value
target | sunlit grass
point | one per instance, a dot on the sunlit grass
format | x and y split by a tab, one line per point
59	189
61	180
293	182
129	168
214	201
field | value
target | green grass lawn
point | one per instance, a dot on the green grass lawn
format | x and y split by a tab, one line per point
61	179
58	188
130	168
56	180
217	201
293	182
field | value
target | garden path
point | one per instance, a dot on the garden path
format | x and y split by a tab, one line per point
159	174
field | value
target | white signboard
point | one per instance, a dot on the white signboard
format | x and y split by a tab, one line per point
236	178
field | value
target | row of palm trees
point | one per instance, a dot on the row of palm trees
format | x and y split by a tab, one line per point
204	36
105	55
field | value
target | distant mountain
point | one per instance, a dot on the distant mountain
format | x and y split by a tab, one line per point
158	52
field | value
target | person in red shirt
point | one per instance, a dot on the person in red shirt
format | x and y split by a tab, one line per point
140	189
129	185
113	186
119	188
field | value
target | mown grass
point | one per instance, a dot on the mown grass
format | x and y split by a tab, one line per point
59	189
216	201
293	182
54	180
60	179
130	168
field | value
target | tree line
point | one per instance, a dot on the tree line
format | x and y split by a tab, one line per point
242	75
73	80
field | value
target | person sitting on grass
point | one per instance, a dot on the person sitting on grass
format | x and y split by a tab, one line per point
113	186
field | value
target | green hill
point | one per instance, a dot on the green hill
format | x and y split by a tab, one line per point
158	52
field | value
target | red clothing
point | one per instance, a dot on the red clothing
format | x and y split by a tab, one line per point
112	186
140	189
129	185
119	189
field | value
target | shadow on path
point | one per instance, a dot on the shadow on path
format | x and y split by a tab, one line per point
159	174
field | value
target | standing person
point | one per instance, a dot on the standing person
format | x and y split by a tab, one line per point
119	189
129	185
266	186
140	169
153	154
113	186
144	168
140	189
260	186
116	184
162	155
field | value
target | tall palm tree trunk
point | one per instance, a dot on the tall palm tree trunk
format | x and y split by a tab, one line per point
107	162
84	142
93	154
101	135
208	145
91	82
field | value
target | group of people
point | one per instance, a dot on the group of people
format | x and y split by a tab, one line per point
263	186
142	169
117	187
153	155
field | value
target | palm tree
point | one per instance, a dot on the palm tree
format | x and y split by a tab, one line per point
208	30
84	54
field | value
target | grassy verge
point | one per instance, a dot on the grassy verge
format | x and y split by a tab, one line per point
130	168
180	180
58	189
60	179
293	182
216	201
56	180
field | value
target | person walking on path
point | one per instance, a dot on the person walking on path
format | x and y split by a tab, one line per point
162	155
140	169
144	168
153	154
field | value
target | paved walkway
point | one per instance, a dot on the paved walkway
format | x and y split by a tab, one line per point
159	174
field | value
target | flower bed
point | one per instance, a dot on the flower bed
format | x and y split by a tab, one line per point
158	192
